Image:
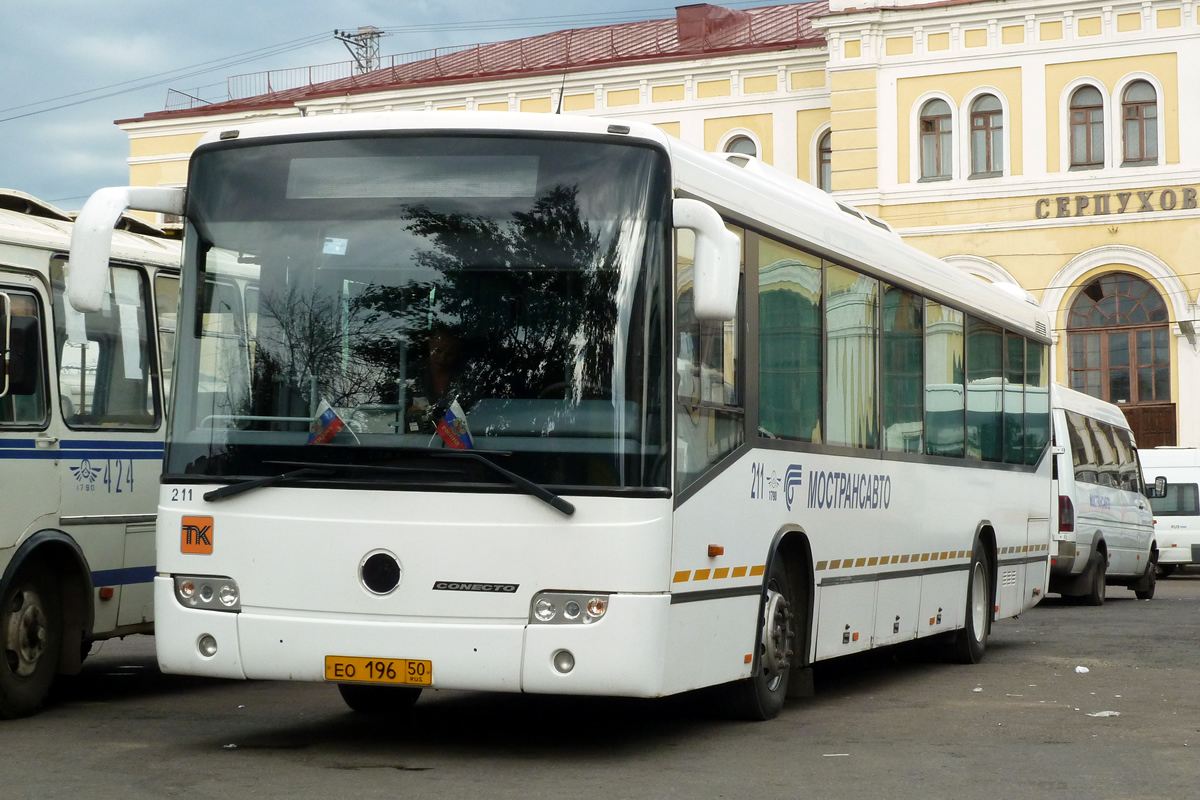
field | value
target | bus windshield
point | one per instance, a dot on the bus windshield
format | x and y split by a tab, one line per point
369	301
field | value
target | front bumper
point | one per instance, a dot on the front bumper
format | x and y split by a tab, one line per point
622	654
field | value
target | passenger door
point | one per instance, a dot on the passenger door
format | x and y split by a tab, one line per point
28	436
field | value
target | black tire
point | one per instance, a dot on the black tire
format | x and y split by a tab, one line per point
379	699
1099	572
1151	579
31	631
970	642
760	697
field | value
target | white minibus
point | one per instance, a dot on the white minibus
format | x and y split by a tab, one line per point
1105	533
1176	516
82	411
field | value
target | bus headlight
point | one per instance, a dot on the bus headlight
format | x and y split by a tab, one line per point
567	608
208	592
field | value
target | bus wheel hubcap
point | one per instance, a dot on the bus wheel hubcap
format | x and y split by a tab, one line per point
777	639
25	633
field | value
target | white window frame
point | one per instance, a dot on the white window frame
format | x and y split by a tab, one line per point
1116	121
1006	119
914	125
814	156
734	133
1064	121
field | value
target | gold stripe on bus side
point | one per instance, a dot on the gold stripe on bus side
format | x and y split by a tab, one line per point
682	576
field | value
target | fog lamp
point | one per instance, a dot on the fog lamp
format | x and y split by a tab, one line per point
207	646
564	662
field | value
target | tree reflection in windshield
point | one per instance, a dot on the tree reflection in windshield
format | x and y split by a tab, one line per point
532	306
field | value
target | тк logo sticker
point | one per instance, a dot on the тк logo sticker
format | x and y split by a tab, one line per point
196	536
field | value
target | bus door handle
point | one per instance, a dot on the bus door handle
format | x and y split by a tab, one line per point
43	442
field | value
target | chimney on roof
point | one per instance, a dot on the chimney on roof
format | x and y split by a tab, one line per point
695	24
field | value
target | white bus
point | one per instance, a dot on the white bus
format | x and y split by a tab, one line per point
81	437
598	413
1177	513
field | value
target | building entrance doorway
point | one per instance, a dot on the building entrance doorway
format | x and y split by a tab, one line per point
1119	351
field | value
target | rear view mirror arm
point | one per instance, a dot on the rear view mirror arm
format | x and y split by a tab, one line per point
91	236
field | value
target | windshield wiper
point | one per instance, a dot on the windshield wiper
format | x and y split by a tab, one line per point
256	483
310	469
540	492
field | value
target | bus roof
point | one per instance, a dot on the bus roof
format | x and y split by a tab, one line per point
46	233
1170	457
1089	406
773	200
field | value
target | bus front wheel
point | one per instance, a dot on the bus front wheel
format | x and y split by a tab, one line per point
761	696
970	642
30	640
379	699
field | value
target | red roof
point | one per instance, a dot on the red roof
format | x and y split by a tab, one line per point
695	31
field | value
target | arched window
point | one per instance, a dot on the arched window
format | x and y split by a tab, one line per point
825	162
987	137
1087	128
1120	352
936	144
742	144
1139	111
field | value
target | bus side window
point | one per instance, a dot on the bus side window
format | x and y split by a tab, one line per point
711	419
1014	400
789	342
1083	449
945	404
903	385
851	337
985	410
21	410
1128	468
1106	454
1037	400
104	364
166	301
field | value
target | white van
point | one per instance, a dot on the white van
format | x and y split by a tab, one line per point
1105	532
1176	516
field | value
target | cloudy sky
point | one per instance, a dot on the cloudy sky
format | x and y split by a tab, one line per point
69	68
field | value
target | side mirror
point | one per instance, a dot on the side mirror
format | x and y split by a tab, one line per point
91	236
715	270
1159	490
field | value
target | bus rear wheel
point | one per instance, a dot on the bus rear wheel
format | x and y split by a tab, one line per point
970	642
30	642
1096	591
378	699
761	696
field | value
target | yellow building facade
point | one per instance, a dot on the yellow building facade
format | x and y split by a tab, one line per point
1040	144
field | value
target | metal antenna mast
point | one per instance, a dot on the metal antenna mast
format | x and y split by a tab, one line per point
364	46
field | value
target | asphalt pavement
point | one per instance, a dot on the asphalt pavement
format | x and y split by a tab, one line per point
1027	722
